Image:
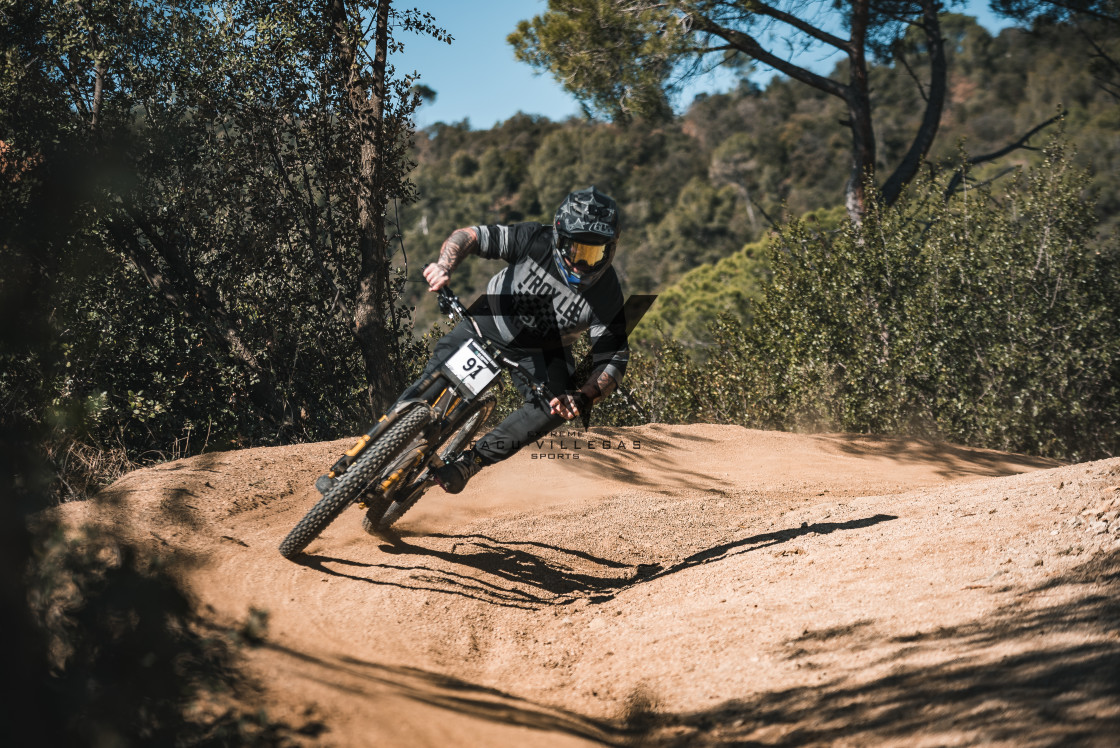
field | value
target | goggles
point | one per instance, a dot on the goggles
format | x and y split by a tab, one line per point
590	254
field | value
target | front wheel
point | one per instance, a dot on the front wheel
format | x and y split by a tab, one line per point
366	469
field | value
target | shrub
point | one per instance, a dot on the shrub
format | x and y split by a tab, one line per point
983	319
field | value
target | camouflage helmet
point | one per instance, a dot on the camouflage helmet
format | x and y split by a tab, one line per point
585	234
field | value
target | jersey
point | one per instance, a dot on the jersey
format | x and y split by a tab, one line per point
532	307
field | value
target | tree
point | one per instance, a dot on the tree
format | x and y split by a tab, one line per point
624	57
1096	21
382	124
237	163
223	257
110	648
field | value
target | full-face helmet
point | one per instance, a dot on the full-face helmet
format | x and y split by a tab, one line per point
585	234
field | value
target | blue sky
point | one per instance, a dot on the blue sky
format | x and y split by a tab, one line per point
477	78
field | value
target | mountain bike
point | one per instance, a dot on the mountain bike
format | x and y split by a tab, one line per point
391	466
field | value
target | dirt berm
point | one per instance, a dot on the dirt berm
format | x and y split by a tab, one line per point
669	585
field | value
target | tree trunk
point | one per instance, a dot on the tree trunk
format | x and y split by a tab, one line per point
931	120
858	100
366	95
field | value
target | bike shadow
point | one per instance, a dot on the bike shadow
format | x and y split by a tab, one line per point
482	568
528	574
554	574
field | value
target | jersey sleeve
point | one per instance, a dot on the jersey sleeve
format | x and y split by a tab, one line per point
610	351
510	243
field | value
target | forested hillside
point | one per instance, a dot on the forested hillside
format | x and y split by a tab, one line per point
775	311
698	187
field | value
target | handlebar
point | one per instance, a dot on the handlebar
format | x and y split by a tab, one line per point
450	305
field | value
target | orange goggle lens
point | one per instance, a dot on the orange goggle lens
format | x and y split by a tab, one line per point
591	254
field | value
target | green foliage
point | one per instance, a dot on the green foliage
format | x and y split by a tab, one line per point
219	134
985	318
614	56
699	187
624	61
982	320
176	246
705	224
667	383
686	310
739	162
204	272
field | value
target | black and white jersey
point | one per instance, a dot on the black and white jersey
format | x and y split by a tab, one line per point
532	306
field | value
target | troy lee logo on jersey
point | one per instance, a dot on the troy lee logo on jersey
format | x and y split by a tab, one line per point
542	303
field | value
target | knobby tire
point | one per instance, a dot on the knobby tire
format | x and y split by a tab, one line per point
365	470
470	422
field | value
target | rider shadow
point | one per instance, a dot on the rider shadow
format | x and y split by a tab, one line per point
550	575
422	578
767	540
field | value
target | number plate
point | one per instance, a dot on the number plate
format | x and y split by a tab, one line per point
472	366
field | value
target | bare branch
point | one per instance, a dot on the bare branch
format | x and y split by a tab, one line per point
1081	9
1020	144
913	75
749	45
769	220
75	90
843	45
1109	87
988	181
706	50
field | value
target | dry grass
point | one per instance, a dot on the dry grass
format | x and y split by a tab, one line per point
81	470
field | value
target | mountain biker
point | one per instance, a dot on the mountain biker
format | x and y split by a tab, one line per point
559	282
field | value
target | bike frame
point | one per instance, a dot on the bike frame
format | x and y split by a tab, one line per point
445	390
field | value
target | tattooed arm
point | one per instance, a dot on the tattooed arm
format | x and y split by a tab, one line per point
598	388
457	246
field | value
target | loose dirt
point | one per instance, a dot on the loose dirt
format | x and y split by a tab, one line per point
683	585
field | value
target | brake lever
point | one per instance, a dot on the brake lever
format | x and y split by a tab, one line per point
540	391
445	305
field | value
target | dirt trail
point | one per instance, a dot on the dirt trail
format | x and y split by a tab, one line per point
670	585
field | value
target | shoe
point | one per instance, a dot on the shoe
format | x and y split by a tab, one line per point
453	476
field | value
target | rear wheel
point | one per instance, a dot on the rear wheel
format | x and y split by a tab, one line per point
470	422
366	469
